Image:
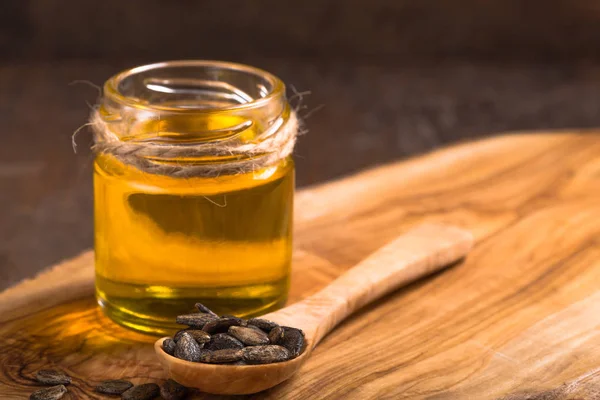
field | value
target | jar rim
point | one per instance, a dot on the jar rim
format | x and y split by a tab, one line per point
112	91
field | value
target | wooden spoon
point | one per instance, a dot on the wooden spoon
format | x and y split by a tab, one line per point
415	254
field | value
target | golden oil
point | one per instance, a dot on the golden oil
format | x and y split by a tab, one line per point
164	242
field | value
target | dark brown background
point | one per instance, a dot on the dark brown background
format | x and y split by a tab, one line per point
393	78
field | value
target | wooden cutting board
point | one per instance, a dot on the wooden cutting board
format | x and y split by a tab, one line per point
520	316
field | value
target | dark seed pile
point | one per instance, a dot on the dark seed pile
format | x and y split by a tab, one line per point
230	340
171	390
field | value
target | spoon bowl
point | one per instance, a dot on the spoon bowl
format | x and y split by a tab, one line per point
417	253
229	379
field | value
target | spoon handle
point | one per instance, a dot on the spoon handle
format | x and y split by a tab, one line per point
417	253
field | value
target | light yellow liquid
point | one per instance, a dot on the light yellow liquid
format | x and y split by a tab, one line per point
164	243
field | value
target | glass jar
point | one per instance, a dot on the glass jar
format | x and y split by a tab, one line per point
198	215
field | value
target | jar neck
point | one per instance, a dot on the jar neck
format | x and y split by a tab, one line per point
193	102
195	118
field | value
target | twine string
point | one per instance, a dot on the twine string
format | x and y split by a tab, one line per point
238	157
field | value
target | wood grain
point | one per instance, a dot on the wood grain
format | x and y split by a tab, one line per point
518	317
415	254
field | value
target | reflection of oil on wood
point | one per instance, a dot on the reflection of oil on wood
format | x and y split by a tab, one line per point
519	316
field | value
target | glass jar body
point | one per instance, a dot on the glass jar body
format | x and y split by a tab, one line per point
165	242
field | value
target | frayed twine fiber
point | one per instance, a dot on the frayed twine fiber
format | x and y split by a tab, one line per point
238	157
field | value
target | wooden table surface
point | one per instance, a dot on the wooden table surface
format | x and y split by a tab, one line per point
518	319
